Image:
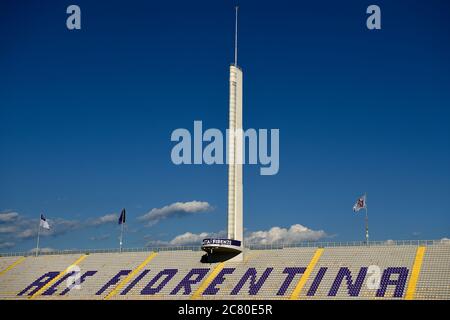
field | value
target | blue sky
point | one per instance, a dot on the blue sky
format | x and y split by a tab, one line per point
86	118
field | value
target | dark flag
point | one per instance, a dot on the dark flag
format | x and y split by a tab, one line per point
360	204
122	217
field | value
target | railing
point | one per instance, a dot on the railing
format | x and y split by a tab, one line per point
251	246
90	251
317	244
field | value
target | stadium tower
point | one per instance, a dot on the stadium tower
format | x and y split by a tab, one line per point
235	192
233	245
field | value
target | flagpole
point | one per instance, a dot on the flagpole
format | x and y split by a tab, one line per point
367	221
39	231
121	236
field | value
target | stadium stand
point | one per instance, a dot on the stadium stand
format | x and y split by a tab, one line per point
7	263
273	262
352	263
434	279
14	282
405	270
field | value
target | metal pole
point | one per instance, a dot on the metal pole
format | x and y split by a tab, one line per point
367	227
236	38
39	231
121	236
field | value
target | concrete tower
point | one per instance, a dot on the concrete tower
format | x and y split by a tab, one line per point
235	156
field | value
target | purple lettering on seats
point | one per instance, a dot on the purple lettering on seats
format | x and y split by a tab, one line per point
169	273
39	283
291	272
254	286
53	287
187	282
353	289
399	283
113	281
134	282
212	290
317	280
82	279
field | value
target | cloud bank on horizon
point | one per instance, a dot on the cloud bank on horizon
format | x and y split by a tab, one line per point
15	227
275	235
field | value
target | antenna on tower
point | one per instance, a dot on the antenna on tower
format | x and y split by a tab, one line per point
236	38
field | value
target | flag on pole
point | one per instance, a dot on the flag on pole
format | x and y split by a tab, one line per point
122	217
360	204
43	223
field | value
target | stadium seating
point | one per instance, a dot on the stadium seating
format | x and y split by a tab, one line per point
383	271
7	261
19	278
353	259
260	260
434	280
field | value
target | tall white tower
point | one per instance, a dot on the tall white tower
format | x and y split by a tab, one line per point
235	156
234	244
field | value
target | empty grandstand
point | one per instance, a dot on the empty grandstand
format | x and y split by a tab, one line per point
399	270
381	270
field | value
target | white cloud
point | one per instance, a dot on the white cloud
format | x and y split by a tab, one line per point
8	229
296	233
21	228
60	226
177	209
6	245
27	228
188	238
390	242
107	218
8	217
42	250
27	233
